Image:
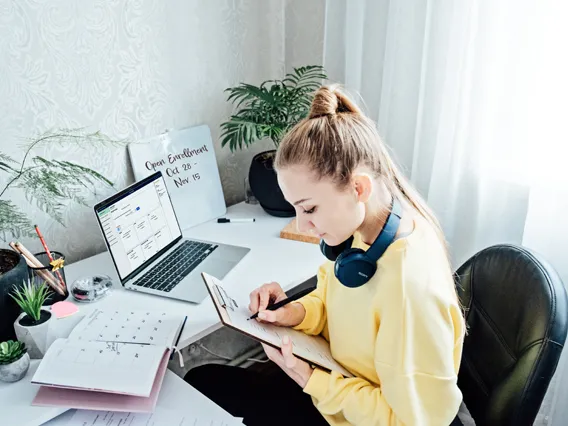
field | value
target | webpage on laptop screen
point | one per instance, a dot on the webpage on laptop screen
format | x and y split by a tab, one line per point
139	225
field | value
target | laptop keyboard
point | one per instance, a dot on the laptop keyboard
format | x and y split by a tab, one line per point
176	266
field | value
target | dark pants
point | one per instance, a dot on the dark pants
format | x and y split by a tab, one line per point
267	398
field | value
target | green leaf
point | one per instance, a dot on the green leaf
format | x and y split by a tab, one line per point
30	297
6	158
305	77
11	351
49	183
75	136
13	221
6	167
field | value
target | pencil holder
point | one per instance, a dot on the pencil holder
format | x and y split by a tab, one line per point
54	277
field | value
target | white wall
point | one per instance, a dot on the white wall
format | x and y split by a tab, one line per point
133	69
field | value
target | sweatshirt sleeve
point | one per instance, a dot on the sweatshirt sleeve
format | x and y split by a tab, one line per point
315	321
416	362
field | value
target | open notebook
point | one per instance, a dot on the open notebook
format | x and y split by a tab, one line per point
109	352
312	349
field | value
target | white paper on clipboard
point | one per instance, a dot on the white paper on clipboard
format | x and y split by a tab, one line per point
313	349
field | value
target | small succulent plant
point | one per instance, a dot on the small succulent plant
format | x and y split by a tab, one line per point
31	297
11	351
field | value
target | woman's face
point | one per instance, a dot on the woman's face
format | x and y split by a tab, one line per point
321	207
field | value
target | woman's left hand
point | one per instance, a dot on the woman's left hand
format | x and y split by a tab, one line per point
299	370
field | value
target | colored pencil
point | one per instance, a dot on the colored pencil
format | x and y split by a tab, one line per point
44	244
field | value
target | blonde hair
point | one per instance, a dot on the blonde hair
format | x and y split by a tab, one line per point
337	137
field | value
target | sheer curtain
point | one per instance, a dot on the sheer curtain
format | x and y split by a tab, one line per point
471	97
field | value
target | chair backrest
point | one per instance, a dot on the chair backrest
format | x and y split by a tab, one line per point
517	316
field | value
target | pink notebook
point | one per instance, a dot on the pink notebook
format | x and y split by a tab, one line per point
93	400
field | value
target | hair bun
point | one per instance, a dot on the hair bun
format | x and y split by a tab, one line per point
329	101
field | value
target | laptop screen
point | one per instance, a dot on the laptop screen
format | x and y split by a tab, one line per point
138	224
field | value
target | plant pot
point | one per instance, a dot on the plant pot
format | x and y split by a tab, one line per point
264	185
15	371
52	295
33	334
14	271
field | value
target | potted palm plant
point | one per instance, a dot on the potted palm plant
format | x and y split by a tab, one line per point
32	324
268	111
14	361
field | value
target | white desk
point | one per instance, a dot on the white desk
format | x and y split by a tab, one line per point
174	394
16	399
271	259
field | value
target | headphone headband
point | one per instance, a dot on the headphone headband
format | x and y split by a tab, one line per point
388	233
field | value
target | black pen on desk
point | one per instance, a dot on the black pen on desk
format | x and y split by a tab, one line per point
283	302
179	337
235	220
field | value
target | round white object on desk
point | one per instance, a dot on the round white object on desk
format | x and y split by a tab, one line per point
91	289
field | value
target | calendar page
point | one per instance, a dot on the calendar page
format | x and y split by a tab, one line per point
101	366
129	326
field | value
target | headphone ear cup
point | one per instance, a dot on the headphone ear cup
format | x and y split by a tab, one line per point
353	268
333	252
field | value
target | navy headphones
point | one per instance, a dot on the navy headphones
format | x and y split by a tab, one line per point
354	266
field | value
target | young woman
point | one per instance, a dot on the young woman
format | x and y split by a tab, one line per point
398	329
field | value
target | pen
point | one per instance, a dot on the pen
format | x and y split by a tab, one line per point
227	220
48	252
296	296
179	336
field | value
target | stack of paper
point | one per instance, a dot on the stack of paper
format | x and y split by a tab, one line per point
160	417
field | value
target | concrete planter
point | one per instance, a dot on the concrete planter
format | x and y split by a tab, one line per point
16	370
34	335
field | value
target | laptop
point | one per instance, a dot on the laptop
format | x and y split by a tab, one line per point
143	236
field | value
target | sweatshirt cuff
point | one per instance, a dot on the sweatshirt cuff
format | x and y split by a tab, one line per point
311	319
317	384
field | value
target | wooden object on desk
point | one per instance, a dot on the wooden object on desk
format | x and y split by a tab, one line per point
291	232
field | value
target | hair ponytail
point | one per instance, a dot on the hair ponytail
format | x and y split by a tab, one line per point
399	184
329	101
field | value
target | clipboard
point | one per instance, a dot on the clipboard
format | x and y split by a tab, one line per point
314	350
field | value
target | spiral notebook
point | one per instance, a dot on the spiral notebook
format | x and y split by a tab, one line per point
109	352
312	349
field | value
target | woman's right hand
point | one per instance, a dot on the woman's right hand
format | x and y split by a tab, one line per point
288	315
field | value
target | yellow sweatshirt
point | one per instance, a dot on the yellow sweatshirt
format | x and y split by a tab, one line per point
400	334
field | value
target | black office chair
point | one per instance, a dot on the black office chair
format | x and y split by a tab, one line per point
517	315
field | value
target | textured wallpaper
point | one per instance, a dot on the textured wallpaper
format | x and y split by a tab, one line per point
133	69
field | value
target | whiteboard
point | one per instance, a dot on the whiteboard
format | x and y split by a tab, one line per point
188	163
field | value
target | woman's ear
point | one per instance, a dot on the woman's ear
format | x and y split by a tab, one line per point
363	185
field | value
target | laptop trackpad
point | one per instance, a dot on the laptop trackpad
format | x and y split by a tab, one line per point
192	288
217	267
